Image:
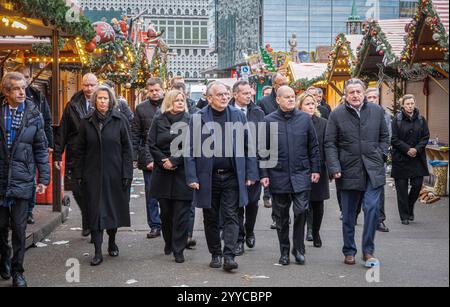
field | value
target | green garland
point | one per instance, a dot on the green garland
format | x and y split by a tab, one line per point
425	10
47	49
303	84
54	12
374	36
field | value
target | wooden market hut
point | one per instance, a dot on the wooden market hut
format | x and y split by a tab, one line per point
25	23
427	44
340	64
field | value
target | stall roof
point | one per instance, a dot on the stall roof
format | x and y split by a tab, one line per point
442	9
394	30
307	70
382	44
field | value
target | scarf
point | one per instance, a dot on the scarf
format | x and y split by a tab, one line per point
13	122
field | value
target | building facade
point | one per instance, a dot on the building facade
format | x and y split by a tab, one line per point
185	26
317	22
237	28
234	30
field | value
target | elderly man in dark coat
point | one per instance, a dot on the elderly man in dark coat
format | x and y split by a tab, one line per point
356	145
298	166
78	108
220	178
24	148
104	170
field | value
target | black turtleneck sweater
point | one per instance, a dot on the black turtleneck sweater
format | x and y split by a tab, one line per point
222	163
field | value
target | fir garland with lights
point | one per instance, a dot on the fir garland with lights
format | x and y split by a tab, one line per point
341	44
425	13
373	35
54	12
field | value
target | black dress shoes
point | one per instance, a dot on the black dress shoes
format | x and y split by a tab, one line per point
191	243
179	258
113	251
299	257
19	281
154	233
250	241
216	262
167	250
230	265
309	236
317	241
30	220
412	218
5	269
382	227
273	226
86	232
284	260
239	250
405	222
97	261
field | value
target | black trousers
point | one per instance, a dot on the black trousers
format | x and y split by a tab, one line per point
16	218
247	221
175	217
281	208
191	221
407	201
78	195
97	238
382	207
225	200
317	211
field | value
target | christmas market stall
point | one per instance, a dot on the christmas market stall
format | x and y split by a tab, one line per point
34	32
264	65
128	60
379	59
427	46
341	61
305	75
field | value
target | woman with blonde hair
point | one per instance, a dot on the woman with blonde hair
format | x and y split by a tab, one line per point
320	191
169	180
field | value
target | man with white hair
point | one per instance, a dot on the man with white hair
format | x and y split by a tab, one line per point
79	107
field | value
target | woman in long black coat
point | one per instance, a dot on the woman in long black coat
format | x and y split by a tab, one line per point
104	169
169	180
320	191
410	136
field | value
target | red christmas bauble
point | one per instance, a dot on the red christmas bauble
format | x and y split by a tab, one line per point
90	46
105	32
381	52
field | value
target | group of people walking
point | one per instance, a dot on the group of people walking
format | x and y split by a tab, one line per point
197	158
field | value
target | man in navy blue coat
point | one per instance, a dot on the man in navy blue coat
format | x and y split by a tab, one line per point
298	166
221	176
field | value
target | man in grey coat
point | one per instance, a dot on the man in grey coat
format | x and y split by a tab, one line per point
356	146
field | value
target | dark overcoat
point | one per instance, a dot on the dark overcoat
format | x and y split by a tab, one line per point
103	162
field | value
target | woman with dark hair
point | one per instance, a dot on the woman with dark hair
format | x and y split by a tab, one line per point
410	136
319	191
169	180
104	170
